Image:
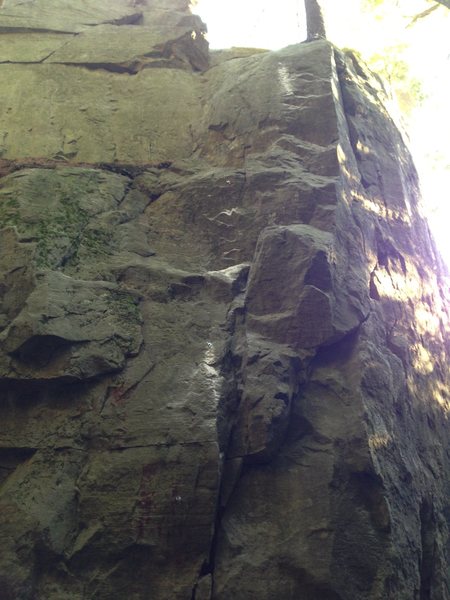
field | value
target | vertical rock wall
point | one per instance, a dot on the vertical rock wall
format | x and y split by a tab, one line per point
224	326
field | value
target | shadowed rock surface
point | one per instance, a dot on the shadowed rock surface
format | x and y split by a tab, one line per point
224	325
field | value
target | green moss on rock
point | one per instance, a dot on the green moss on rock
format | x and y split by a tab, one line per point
59	210
126	306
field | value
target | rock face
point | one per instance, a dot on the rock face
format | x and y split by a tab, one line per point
224	325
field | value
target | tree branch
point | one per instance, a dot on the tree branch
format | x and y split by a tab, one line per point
423	14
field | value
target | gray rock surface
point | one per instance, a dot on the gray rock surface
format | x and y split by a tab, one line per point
224	326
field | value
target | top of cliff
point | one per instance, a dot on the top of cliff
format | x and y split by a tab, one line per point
67	16
125	35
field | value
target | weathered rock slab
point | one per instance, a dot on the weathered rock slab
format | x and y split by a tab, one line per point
96	116
224	332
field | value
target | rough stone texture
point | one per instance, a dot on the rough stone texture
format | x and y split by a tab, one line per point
224	325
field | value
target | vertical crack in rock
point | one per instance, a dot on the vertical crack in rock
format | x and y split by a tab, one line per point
428	558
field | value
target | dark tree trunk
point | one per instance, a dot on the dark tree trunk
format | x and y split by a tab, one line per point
315	25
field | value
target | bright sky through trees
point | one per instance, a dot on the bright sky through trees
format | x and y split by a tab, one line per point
424	47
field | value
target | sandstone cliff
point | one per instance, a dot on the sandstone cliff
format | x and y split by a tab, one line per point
224	325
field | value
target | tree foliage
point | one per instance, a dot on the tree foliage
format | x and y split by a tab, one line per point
393	67
434	4
392	62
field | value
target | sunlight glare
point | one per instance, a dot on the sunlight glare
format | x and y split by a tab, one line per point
253	23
